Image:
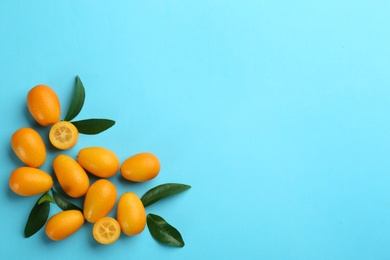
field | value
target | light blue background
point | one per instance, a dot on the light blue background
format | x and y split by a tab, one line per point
277	113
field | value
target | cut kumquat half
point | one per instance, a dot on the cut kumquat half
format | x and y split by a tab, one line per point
63	135
106	230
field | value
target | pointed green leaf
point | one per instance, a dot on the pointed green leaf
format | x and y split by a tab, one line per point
77	100
37	218
63	203
93	126
162	191
163	232
46	197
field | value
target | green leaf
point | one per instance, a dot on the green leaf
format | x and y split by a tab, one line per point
162	191
46	198
38	217
93	126
77	100
63	203
163	232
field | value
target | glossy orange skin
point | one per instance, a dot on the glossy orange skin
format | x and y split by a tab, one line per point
99	161
29	147
131	214
64	224
140	167
71	176
99	200
44	105
29	181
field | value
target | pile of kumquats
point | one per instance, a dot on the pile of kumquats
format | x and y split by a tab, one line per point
73	176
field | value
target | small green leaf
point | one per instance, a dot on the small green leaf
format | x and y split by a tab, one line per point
37	218
162	191
93	126
77	100
163	232
46	197
63	203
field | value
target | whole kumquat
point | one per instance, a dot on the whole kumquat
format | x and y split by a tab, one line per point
99	161
99	200
140	167
44	105
131	214
29	181
29	147
72	177
64	224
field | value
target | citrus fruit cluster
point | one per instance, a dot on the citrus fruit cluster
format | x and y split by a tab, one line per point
73	175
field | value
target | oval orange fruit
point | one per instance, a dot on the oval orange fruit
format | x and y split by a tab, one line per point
106	230
99	200
71	176
99	161
63	135
64	224
29	147
131	214
29	181
140	167
44	105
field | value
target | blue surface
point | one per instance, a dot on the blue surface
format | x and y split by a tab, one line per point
276	113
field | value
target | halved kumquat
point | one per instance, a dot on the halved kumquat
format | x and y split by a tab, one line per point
63	135
106	230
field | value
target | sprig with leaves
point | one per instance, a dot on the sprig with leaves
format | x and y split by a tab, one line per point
86	126
158	227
